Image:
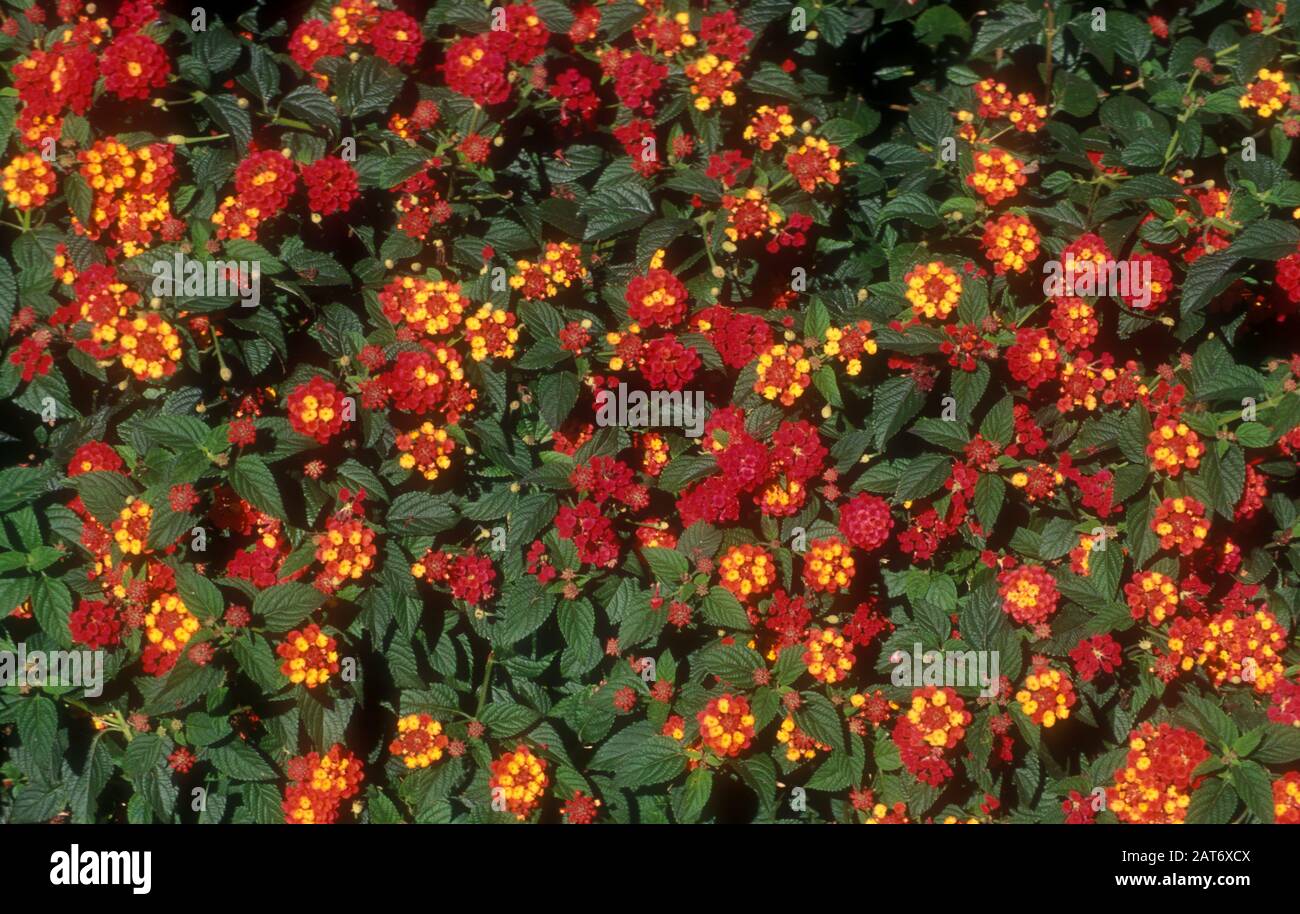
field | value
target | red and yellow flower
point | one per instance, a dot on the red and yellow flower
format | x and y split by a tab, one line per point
1029	594
1151	595
427	450
1268	94
1155	784
420	741
1047	696
747	570
518	779
783	373
131	528
828	655
1173	446
828	565
933	289
28	182
168	627
310	656
1181	524
726	725
799	746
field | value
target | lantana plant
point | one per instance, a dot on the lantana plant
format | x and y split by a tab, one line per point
649	410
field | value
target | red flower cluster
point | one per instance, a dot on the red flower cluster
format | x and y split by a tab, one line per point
331	185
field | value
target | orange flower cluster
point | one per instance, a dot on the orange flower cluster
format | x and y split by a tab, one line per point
1011	243
654	453
150	347
849	344
783	374
420	741
432	306
749	215
560	265
828	655
815	163
828	566
131	528
934	723
310	656
1048	696
347	550
1241	645
322	783
28	182
168	627
1181	524
517	781
997	175
1173	446
130	191
265	181
426	449
1151	595
491	332
1029	594
726	725
746	570
1155	785
880	814
933	289
1286	799
769	126
1022	110
1081	385
799	746
713	80
1268	94
316	409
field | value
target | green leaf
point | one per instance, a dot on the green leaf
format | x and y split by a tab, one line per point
234	120
557	394
370	85
657	760
285	606
722	609
413	513
1213	803
252	480
313	106
938	23
817	717
668	566
240	761
689	801
199	594
1255	788
526	606
990	492
999	423
616	208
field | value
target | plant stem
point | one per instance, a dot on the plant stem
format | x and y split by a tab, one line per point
487	681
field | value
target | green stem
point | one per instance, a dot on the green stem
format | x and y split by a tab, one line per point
487	681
